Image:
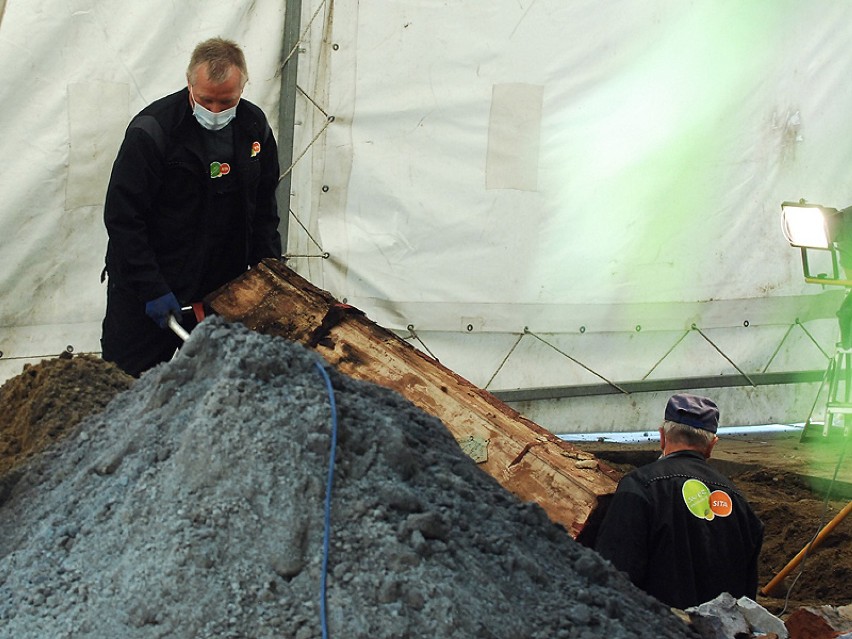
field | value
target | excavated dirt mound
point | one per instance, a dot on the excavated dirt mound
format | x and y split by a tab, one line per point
193	505
50	398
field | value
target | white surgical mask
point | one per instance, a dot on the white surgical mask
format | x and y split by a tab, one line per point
212	121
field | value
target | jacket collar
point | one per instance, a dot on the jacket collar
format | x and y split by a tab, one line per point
684	453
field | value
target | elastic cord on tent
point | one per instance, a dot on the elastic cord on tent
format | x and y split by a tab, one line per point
721	352
304	33
312	101
695	328
816	343
414	335
527	331
508	355
784	339
668	352
327	517
328	120
324	254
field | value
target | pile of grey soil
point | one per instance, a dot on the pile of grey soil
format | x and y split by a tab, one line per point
193	506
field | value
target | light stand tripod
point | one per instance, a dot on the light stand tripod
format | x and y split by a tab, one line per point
839	401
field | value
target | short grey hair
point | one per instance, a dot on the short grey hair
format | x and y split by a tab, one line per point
689	435
219	55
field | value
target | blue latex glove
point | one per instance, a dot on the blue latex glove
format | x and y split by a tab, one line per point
160	309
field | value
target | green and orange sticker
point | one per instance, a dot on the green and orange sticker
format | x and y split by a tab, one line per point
703	503
218	169
255	148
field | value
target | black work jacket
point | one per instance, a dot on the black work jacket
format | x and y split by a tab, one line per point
683	545
160	188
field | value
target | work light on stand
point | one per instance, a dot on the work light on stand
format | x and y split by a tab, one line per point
815	228
821	229
808	225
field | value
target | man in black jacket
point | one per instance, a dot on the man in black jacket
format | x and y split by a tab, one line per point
678	528
190	205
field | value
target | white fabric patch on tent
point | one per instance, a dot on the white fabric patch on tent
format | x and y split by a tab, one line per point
513	137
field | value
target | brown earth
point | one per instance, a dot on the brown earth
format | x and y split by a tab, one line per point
48	399
784	478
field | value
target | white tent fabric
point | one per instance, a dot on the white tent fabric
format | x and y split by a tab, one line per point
604	175
547	193
73	75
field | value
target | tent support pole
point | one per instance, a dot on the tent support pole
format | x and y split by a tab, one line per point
287	111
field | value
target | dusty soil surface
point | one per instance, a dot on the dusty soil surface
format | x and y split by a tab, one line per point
784	479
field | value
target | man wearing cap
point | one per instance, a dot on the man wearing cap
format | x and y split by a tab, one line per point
678	528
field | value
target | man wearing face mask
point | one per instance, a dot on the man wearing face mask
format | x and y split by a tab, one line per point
190	205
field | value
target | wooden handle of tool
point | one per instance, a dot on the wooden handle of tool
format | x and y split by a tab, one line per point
795	561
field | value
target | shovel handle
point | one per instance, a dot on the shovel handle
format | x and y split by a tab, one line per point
795	561
178	330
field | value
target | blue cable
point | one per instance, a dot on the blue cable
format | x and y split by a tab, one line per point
330	481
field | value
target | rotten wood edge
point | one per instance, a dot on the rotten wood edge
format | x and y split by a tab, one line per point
314	318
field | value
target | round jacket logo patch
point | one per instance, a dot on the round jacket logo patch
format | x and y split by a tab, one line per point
721	503
218	169
255	148
696	496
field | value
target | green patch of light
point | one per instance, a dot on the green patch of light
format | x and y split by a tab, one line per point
661	143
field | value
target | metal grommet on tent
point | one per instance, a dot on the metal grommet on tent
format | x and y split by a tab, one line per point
414	335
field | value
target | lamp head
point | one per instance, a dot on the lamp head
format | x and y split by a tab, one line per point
810	225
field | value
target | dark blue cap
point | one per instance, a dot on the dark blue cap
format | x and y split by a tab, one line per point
692	410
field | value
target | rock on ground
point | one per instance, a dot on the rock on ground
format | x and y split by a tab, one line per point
193	506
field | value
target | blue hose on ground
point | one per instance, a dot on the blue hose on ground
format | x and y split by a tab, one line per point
330	481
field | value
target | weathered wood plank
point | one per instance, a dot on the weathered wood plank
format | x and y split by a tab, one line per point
525	458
